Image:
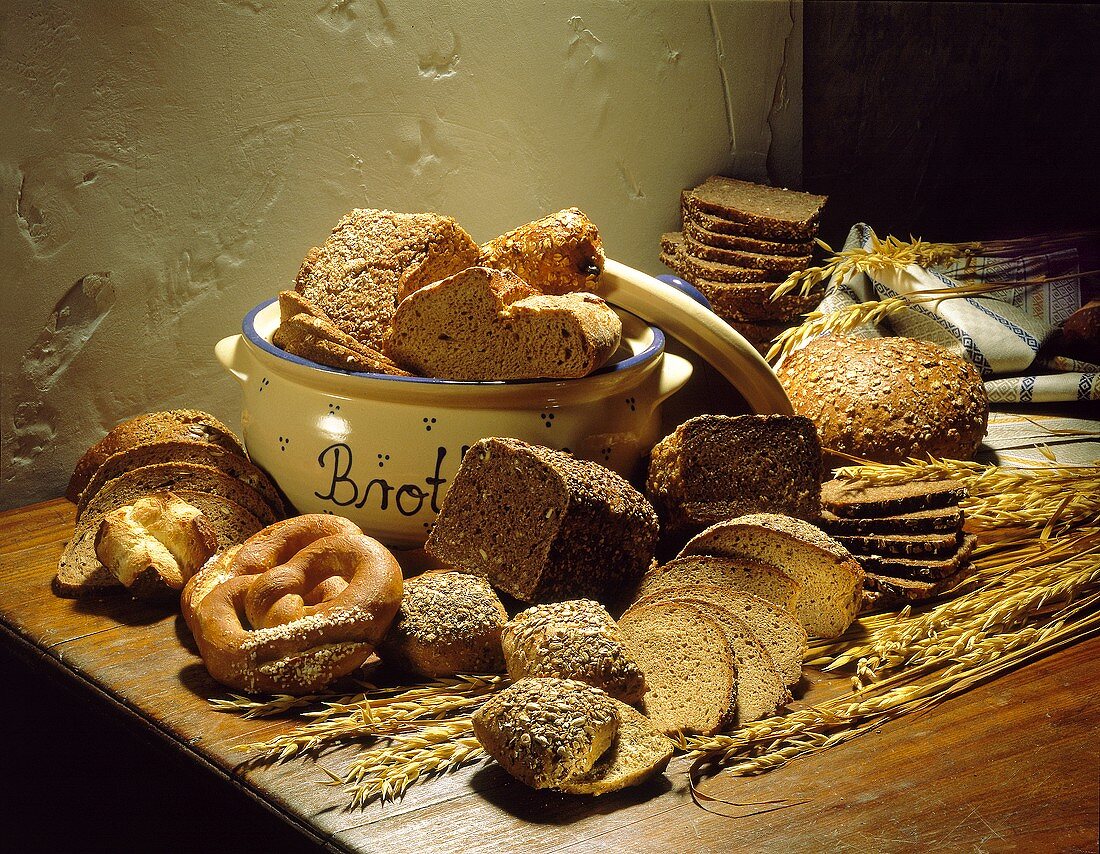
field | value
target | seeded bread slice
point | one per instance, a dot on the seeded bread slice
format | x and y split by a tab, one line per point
744	258
80	572
715	467
902	545
696	230
760	579
639	751
448	623
751	302
928	569
576	639
189	424
937	521
773	212
675	256
832	582
186	451
689	667
545	731
847	498
777	629
887	591
542	525
483	324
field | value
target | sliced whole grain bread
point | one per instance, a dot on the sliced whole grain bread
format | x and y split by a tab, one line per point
715	467
773	212
484	324
697	231
831	581
936	521
80	573
752	301
760	579
847	498
902	545
186	451
889	591
744	258
760	334
926	569
639	751
761	689
777	629
171	477
188	424
674	255
691	681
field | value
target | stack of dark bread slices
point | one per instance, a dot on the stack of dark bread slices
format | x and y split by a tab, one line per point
909	538
737	242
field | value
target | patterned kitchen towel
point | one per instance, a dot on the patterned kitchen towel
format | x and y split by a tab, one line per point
1000	332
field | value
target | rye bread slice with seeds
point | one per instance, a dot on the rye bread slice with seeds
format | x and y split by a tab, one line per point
889	591
927	569
698	232
902	545
691	681
674	256
848	499
187	424
743	258
772	212
186	451
760	579
938	520
752	301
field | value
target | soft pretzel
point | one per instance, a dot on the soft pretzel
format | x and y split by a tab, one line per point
299	604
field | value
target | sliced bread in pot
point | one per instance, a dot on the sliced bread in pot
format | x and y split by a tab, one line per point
831	581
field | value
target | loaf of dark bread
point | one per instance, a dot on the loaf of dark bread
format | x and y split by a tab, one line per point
543	526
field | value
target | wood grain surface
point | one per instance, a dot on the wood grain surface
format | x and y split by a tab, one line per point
1012	765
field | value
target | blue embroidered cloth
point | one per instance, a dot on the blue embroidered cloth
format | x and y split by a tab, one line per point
1001	332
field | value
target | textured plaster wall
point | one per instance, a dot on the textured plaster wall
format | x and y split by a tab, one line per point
165	166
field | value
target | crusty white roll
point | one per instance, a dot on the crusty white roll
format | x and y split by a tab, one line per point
888	399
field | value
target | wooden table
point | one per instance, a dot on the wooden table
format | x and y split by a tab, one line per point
1012	765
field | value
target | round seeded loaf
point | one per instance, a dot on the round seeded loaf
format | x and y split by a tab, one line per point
888	399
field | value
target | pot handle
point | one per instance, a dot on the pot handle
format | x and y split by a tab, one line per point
230	352
675	372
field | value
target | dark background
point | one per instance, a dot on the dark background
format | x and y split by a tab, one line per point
946	121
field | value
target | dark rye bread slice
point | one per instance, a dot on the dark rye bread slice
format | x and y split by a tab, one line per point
902	545
170	477
187	424
773	212
80	573
760	579
542	525
886	591
743	258
691	683
752	301
698	232
927	569
185	451
720	225
674	256
715	467
777	629
938	520
848	499
831	580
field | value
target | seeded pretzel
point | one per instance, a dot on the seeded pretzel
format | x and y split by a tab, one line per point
298	605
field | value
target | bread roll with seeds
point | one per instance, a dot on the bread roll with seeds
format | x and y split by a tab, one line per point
544	731
576	639
448	623
888	399
557	254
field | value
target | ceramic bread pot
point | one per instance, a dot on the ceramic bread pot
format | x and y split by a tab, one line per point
382	450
